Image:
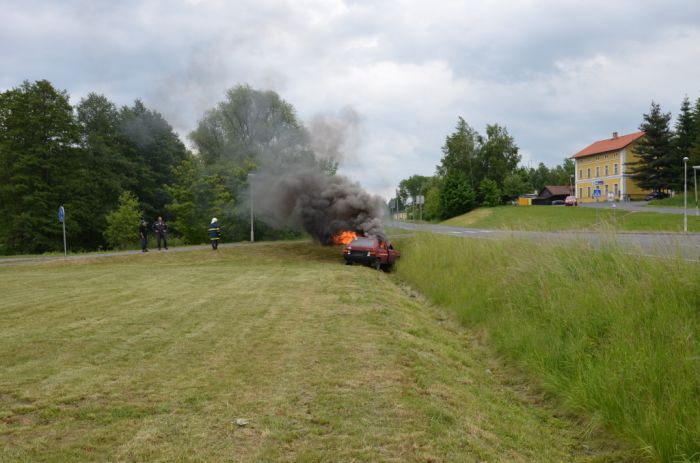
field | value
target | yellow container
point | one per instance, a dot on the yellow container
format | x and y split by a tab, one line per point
524	201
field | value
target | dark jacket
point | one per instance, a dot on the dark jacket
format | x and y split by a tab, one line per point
161	228
143	230
214	231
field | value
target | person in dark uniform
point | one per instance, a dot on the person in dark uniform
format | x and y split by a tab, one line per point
143	234
161	229
214	233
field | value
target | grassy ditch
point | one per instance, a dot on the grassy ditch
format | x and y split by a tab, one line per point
614	336
560	218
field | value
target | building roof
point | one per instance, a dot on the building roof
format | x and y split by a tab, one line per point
557	190
610	144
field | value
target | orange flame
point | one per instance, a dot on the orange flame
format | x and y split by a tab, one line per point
344	237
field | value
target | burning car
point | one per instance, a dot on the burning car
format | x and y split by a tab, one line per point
372	251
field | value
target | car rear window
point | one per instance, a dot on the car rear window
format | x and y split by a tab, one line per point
362	242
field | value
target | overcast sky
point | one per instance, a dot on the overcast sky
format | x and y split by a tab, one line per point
558	74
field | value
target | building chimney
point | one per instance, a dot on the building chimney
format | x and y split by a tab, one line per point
614	135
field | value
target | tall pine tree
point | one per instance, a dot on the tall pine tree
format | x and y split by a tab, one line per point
694	150
655	169
682	141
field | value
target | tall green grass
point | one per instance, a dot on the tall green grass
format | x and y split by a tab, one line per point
614	336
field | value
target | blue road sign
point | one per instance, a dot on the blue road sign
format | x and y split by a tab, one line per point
61	214
596	193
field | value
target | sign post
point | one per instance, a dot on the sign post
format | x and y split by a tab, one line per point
62	220
420	200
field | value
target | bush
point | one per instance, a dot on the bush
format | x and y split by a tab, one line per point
490	193
456	197
122	223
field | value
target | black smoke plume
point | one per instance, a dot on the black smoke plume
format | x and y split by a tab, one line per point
320	204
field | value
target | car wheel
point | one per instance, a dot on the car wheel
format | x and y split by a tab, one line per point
347	262
376	264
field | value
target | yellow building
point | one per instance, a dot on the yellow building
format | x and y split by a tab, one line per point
605	166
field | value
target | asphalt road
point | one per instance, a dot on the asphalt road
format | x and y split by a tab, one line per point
664	245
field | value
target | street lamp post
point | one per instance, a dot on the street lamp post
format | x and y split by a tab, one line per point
573	190
695	177
252	216
685	195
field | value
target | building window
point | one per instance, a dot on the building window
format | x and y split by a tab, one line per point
580	192
589	192
597	171
580	173
606	190
589	172
615	188
597	157
606	155
606	171
615	168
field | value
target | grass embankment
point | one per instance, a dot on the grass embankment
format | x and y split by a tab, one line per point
614	336
151	357
561	218
676	201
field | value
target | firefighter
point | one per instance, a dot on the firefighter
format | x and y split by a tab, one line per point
161	229
214	233
143	235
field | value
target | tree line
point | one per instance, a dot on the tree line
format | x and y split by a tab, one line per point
107	165
478	170
662	149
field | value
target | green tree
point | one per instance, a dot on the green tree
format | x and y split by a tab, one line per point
498	155
252	128
456	196
39	167
516	184
562	174
460	152
104	163
694	151
191	200
540	177
411	188
489	191
655	170
431	209
153	149
683	142
122	223
414	186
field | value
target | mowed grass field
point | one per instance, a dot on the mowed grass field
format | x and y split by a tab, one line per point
561	218
152	357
